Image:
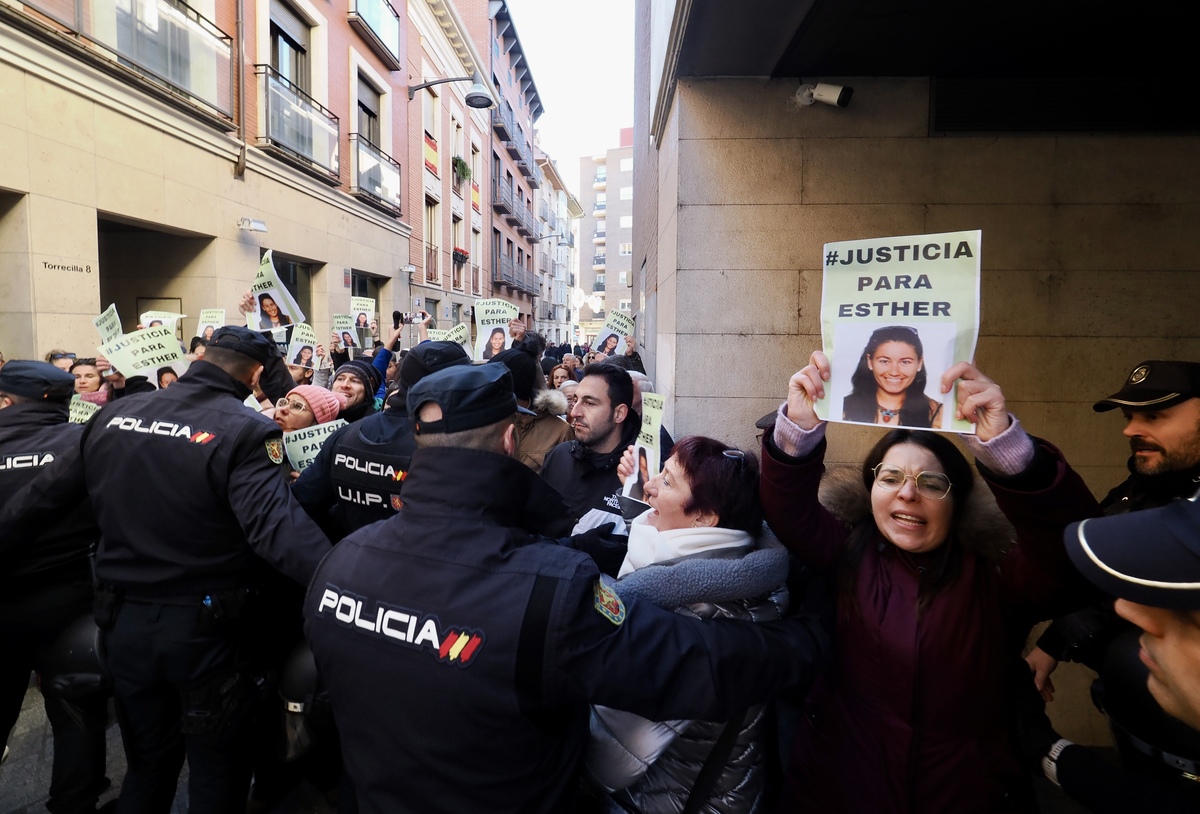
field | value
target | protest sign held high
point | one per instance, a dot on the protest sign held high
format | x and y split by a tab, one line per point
302	350
610	340
150	352
491	327
81	411
108	324
895	313
210	320
166	319
362	309
647	452
274	305
459	334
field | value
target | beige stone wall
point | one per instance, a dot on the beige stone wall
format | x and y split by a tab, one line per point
80	146
1088	259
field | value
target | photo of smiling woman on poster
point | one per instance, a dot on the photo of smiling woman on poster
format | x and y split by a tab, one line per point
889	382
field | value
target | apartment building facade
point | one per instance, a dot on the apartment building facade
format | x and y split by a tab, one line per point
152	160
607	224
558	210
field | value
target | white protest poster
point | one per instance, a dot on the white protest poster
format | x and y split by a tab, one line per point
897	312
274	305
81	411
611	339
302	350
491	327
108	324
343	329
647	453
166	319
210	320
362	309
150	352
302	446
459	334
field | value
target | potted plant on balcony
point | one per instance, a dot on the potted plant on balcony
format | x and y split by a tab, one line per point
462	170
460	256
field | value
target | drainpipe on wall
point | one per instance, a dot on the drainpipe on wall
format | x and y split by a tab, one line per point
239	166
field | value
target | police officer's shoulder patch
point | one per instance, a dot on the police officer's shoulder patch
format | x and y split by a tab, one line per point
275	450
607	603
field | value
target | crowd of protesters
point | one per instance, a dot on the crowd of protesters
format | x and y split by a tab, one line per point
452	608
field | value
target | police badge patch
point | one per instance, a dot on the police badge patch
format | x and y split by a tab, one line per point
275	450
607	603
397	503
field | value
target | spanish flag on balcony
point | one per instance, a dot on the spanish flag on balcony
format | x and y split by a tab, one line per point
475	197
431	155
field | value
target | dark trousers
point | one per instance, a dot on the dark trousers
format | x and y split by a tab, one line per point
163	662
30	622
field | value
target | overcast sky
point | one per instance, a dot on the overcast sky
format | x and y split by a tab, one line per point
581	57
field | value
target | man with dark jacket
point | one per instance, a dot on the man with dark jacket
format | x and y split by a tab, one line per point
47	584
584	471
356	478
500	638
191	498
1161	404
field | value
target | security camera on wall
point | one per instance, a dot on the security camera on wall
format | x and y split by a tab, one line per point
833	95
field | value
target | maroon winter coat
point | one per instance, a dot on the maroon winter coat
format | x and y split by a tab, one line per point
913	716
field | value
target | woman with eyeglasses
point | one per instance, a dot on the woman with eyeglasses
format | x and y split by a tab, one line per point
702	551
307	405
935	600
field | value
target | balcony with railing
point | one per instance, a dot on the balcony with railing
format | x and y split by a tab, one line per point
166	42
433	268
375	175
501	196
502	119
598	209
503	270
522	224
379	25
599	236
600	181
599	260
599	285
298	127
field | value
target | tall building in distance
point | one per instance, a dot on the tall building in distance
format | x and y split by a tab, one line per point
606	196
558	209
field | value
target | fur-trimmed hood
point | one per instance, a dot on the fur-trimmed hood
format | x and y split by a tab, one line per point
549	401
981	527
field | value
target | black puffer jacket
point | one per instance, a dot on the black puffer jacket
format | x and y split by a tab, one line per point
653	766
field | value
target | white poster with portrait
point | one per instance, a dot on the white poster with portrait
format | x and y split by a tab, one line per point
274	305
491	327
611	339
210	320
896	313
165	319
150	352
302	350
362	309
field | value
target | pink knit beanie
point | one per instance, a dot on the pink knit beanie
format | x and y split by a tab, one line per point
325	404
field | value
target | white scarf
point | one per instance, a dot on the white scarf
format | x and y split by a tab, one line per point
648	545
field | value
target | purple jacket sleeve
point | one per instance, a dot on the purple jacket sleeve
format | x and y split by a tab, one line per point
1036	574
790	506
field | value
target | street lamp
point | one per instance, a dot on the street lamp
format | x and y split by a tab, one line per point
544	237
478	96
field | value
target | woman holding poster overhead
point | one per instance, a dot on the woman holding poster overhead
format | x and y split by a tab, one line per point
889	382
934	601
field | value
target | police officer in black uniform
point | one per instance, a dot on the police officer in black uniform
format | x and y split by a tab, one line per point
47	584
189	493
356	478
460	650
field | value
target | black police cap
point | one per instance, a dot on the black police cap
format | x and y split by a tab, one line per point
1150	557
470	396
244	341
1155	385
36	380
